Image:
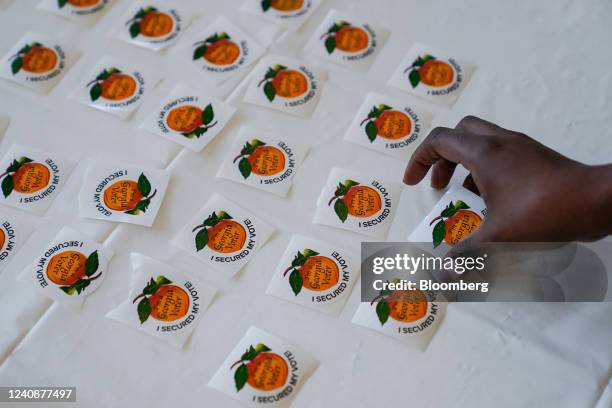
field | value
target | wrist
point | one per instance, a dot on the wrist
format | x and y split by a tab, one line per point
598	196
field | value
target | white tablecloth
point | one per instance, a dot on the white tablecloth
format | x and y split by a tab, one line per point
544	69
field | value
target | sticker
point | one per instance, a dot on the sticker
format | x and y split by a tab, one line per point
151	25
189	118
115	88
264	161
263	370
290	14
315	274
431	74
14	231
32	178
347	40
389	125
411	316
70	268
222	50
224	235
358	203
285	84
455	216
36	61
122	193
85	11
163	301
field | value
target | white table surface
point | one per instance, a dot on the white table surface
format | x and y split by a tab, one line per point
543	69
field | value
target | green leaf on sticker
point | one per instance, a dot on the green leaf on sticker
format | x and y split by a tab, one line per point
134	30
144	186
438	233
330	44
80	285
144	310
460	205
61	3
162	280
7	185
350	183
414	77
341	210
265	5
249	354
92	263
69	290
199	52
383	311
245	167
240	376
309	252
371	130
260	348
269	91
448	211
16	65
95	92
208	114
151	288
296	282
201	239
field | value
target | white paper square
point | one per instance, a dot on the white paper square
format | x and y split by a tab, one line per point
119	193
152	24
412	317
36	178
276	382
440	79
176	301
347	40
369	207
115	87
388	125
36	61
285	84
221	50
290	14
234	241
189	118
14	232
315	274
468	211
263	160
83	11
70	267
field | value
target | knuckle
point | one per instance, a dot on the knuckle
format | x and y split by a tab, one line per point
466	121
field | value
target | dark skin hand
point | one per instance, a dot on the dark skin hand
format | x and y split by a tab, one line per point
532	193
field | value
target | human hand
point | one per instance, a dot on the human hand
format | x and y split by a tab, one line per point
532	193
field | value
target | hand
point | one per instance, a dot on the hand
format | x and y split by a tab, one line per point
532	193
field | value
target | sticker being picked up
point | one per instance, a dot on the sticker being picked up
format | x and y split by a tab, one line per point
163	302
263	370
290	14
411	316
153	25
36	61
431	74
316	275
122	193
189	118
263	161
224	235
32	178
388	125
115	88
85	11
222	49
454	217
347	40
71	267
358	202
285	84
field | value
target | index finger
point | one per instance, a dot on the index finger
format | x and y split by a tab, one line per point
442	143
